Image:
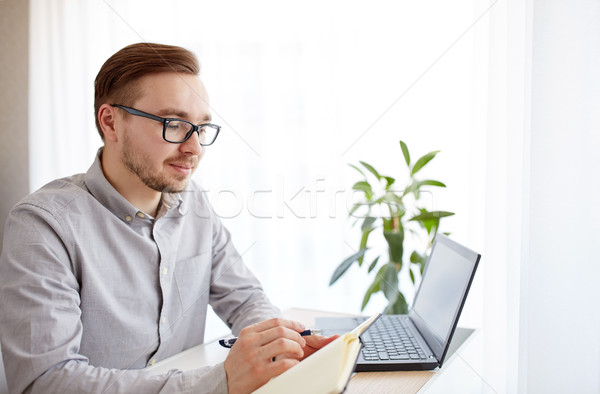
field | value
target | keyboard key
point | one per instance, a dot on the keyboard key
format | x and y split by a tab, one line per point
391	339
383	356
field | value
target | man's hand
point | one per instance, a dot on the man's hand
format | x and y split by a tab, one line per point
253	359
313	343
316	342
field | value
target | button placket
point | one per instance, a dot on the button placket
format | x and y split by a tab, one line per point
164	284
163	238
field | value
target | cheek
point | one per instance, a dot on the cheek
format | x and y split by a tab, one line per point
161	150
154	156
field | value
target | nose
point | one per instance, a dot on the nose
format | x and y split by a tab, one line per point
192	145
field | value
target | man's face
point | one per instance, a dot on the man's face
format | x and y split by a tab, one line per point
160	165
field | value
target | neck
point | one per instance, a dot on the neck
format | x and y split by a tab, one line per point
129	185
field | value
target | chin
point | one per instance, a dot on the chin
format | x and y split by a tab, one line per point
178	187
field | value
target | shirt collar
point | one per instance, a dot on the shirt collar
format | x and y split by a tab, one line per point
107	195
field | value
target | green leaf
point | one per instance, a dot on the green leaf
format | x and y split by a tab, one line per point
405	153
389	282
343	267
373	264
430	182
431	220
373	288
415	186
412	276
424	215
354	208
394	202
395	242
429	223
390	197
363	244
419	260
371	169
389	182
359	205
398	307
365	187
358	169
423	161
411	188
368	223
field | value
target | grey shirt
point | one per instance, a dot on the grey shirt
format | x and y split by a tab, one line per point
92	290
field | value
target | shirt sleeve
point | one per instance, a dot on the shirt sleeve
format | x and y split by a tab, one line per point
236	294
41	328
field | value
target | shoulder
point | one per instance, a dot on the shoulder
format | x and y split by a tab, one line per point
43	219
56	196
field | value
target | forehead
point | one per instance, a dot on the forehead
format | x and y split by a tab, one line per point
178	91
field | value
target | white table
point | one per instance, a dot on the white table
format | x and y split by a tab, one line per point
456	375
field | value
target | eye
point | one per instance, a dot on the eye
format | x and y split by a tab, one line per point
173	126
176	126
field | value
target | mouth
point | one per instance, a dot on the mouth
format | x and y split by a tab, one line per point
183	168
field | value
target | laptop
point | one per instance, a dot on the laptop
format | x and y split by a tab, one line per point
420	339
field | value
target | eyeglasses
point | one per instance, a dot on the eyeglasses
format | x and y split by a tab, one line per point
178	131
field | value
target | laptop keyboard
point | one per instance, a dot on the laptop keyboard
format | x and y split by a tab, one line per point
391	339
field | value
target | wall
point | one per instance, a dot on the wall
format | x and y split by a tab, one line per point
562	318
14	158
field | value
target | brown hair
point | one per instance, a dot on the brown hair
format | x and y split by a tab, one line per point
116	80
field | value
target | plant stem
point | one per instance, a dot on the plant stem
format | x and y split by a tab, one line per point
395	223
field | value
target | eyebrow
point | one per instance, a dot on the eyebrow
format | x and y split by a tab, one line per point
182	115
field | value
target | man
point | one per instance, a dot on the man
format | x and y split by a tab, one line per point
107	272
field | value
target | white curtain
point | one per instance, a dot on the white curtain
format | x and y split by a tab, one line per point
501	87
541	195
301	92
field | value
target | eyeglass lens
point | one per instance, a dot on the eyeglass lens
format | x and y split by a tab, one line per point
179	131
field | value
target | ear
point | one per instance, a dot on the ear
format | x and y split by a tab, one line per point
107	118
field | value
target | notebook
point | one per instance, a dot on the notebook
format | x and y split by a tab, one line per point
325	372
420	339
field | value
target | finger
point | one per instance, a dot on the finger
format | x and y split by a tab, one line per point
280	365
281	346
318	341
287	355
262	333
276	322
272	334
313	343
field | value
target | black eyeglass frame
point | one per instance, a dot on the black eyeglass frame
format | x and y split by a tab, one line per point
165	122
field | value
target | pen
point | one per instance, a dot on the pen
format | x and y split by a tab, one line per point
228	342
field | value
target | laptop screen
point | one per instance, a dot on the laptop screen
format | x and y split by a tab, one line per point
446	280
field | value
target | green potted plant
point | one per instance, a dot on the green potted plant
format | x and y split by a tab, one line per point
395	212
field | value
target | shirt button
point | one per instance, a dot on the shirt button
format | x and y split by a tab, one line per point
165	271
128	218
140	215
153	362
163	320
